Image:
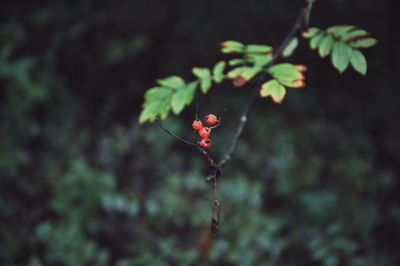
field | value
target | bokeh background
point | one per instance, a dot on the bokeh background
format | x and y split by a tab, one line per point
314	180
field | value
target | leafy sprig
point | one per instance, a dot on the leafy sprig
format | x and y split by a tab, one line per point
343	43
284	75
173	93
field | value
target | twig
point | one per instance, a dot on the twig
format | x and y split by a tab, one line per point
175	136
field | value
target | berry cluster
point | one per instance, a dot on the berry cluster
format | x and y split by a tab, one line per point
204	132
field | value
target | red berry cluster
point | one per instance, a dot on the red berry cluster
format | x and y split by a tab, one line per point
204	132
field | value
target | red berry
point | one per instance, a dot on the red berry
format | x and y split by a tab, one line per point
211	119
204	132
205	143
197	124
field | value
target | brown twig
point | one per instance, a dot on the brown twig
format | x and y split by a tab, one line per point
173	135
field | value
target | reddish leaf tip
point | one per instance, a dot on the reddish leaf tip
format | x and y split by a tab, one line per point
300	85
359	37
302	68
239	81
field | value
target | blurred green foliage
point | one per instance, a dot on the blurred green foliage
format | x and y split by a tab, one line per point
314	180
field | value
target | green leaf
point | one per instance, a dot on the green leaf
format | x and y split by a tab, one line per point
354	34
241	75
359	62
341	56
363	43
204	74
205	84
310	32
274	89
316	40
231	47
258	48
218	71
157	102
287	75
157	93
259	60
177	102
250	72
290	47
183	97
201	73
236	61
191	89
340	29
326	45
246	72
296	83
281	69
164	107
236	72
155	108
174	82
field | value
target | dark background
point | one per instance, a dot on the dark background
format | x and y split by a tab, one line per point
314	180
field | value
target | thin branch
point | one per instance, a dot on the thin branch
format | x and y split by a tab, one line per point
301	23
216	169
175	136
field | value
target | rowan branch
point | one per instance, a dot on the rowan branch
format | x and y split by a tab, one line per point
300	23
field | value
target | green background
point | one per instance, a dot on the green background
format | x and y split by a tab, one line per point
314	180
